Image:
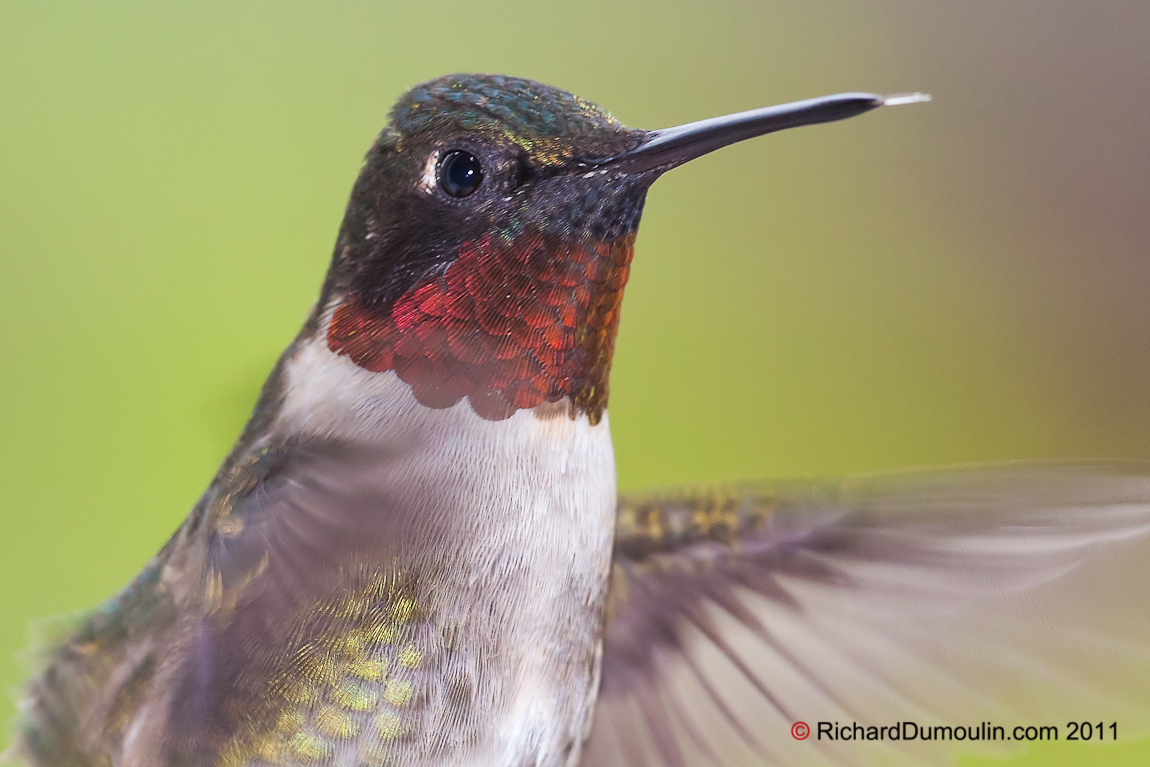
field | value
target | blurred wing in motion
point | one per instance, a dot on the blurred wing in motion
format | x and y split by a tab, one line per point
1014	595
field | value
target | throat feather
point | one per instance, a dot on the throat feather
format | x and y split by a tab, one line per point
509	324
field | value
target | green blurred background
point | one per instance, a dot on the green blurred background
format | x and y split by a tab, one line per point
962	281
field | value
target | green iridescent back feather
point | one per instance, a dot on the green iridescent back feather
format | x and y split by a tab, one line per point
92	680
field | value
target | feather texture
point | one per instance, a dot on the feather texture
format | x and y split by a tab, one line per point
1014	595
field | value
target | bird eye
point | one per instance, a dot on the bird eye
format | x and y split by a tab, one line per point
460	173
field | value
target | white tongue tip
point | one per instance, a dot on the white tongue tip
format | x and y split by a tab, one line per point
899	99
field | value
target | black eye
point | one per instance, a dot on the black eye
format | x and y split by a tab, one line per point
460	173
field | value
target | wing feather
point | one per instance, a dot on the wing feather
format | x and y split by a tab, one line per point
1016	595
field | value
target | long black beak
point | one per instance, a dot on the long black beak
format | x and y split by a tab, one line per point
664	149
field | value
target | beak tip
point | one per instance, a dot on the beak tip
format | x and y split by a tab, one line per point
899	99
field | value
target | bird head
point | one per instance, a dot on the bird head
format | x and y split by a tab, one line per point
490	233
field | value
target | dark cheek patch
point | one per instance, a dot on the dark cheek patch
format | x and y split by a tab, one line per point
507	325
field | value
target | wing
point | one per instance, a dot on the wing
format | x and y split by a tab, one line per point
269	598
1010	596
300	644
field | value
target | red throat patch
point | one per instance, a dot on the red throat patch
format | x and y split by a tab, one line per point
509	325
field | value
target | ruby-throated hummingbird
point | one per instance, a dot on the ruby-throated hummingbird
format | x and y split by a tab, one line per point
414	554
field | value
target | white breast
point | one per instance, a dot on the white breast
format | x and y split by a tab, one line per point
535	497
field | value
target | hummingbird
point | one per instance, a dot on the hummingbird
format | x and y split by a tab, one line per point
415	553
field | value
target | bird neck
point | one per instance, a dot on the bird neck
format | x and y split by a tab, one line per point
512	323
